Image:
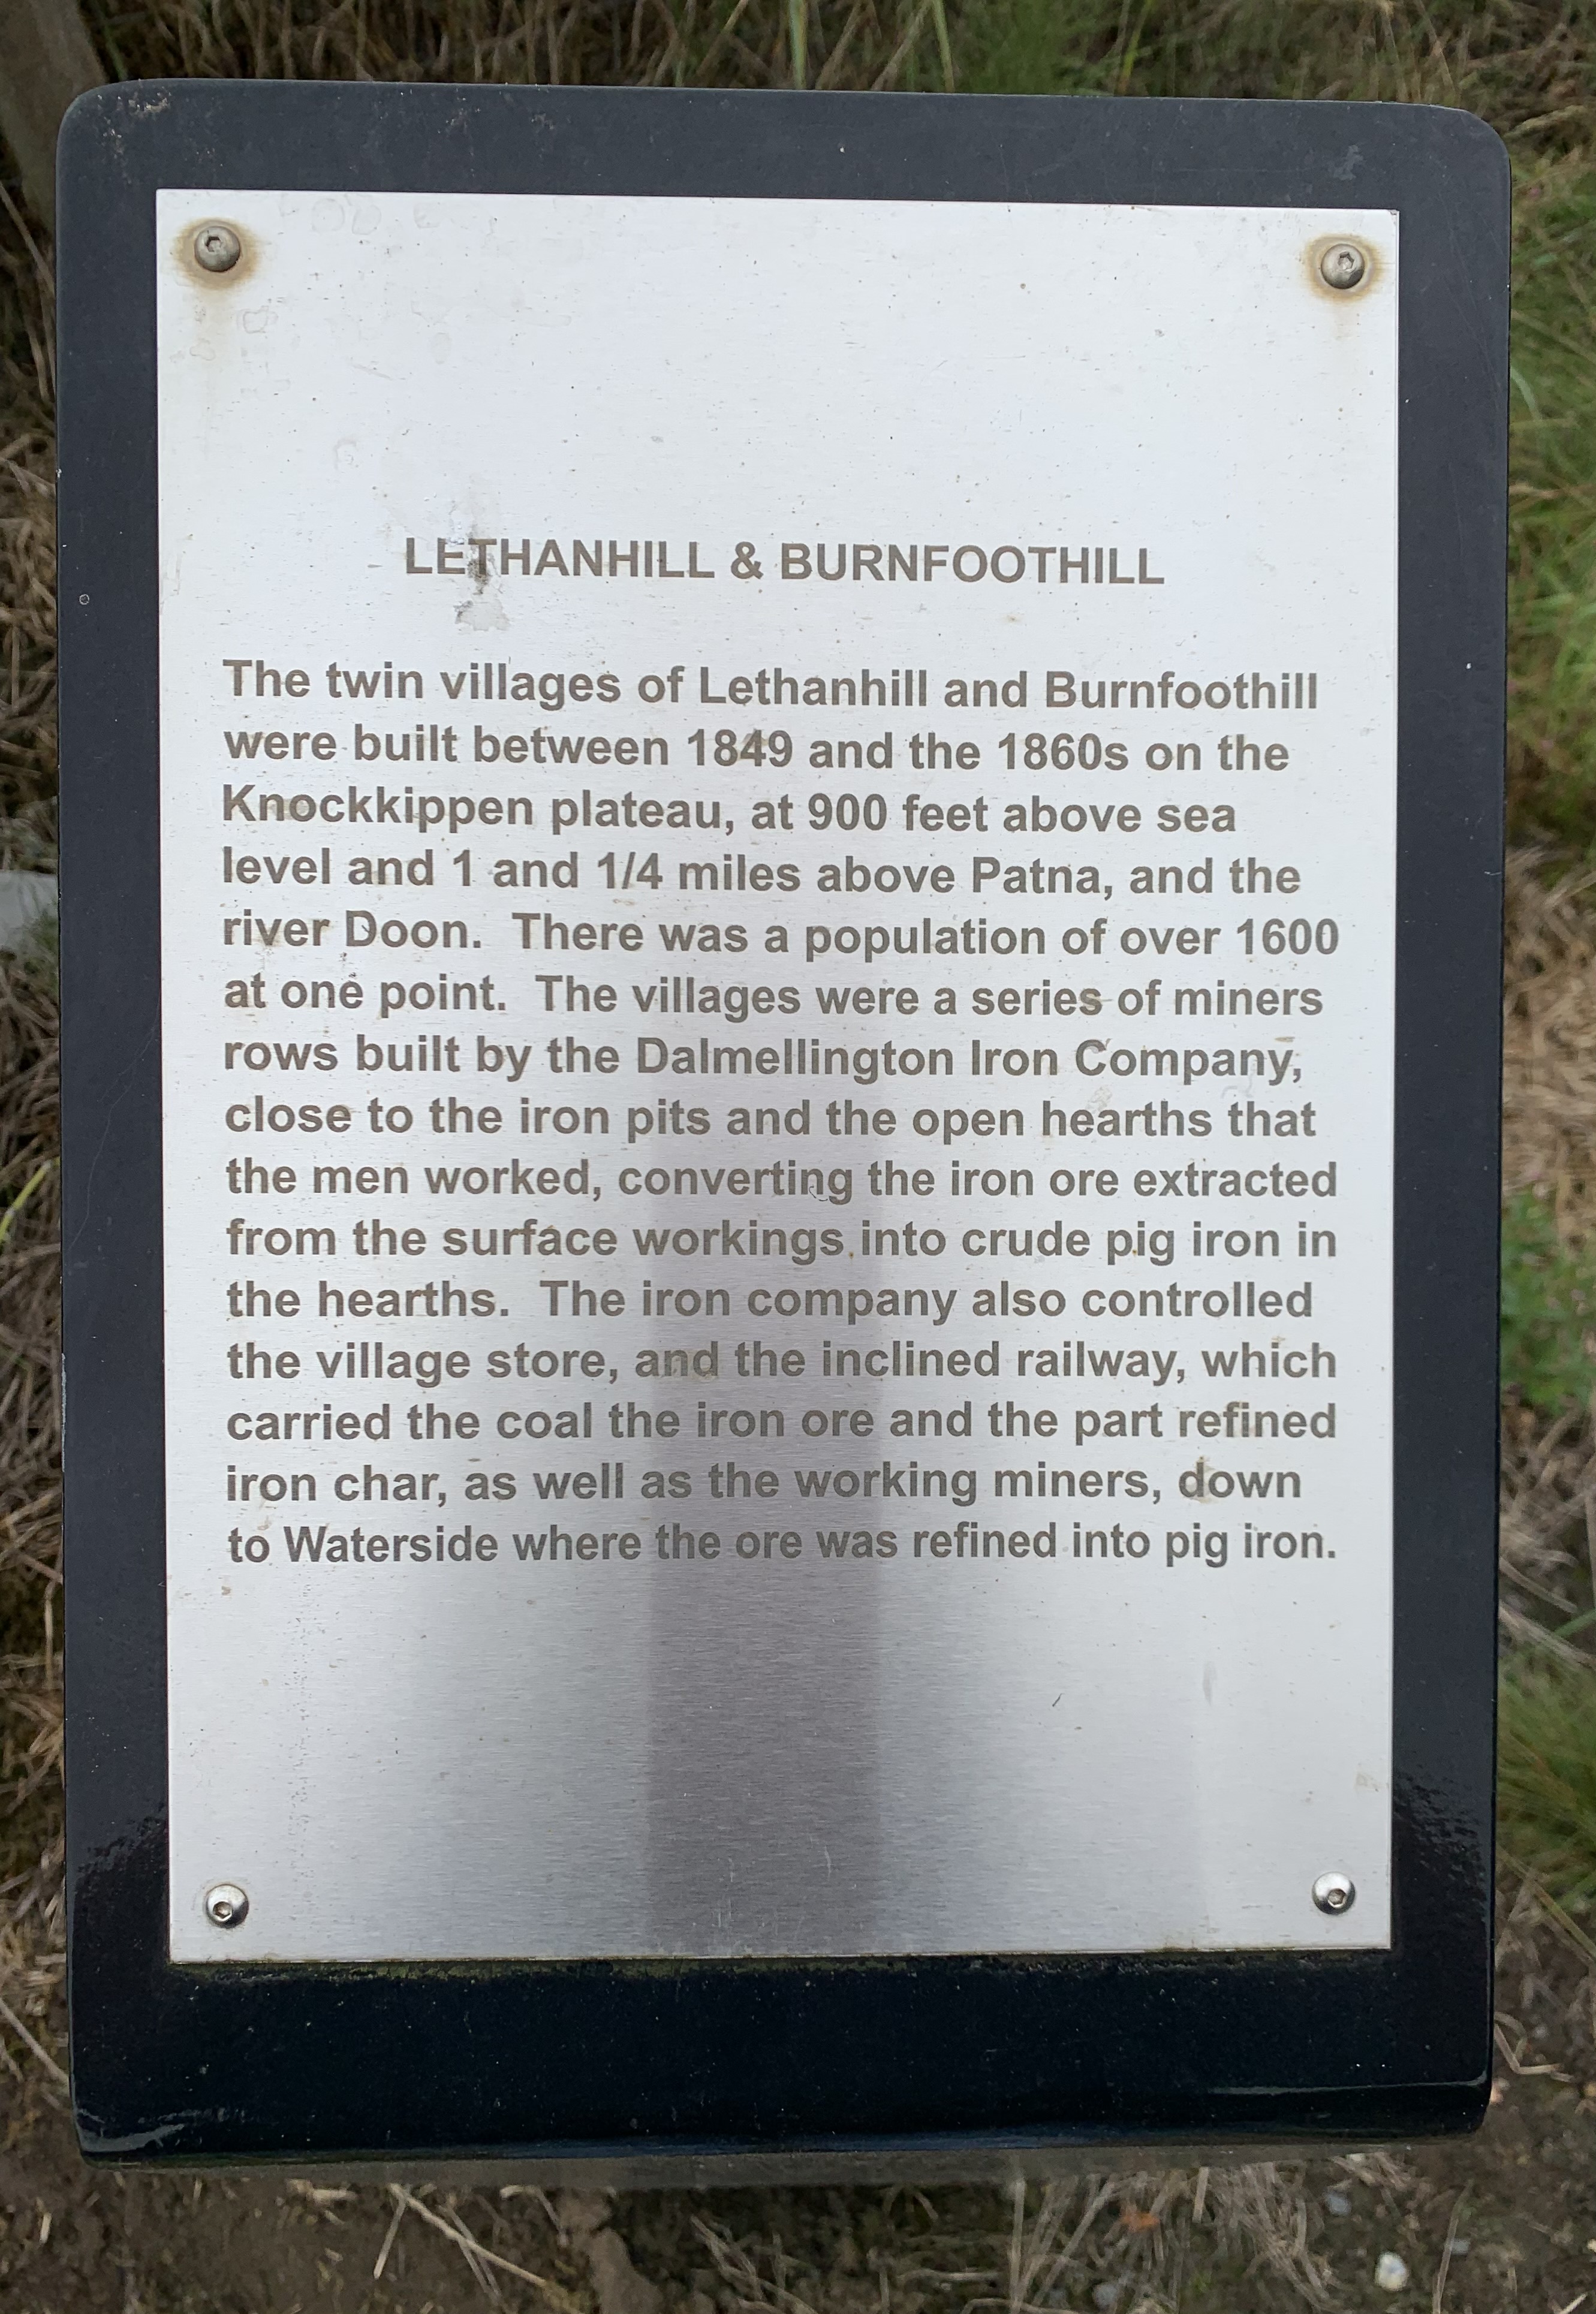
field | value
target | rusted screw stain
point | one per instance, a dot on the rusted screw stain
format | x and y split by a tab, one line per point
1342	265
217	248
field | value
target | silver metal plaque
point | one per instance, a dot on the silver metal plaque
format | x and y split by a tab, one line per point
777	835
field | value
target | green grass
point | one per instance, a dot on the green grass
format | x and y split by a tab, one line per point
1525	66
1546	1791
1552	584
1548	1310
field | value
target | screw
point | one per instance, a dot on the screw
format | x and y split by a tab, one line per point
218	248
225	1905
1342	267
1333	1892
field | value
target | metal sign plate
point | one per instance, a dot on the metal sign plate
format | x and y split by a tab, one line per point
780	949
778	954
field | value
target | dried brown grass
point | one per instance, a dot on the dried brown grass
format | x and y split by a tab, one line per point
1548	1531
1548	1110
642	44
31	1921
1526	63
27	540
1125	2238
31	1925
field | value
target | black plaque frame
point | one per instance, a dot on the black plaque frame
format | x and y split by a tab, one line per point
927	2064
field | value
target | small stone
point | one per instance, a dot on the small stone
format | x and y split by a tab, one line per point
1107	2295
1460	2246
618	2286
1338	2204
1390	2272
581	2213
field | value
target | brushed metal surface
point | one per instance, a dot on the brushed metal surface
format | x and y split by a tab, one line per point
930	1751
